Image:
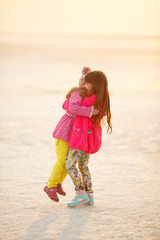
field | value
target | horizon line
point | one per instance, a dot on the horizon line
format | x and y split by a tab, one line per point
83	35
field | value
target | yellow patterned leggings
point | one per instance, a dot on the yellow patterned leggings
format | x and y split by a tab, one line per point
81	178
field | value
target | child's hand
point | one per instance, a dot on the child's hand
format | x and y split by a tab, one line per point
95	111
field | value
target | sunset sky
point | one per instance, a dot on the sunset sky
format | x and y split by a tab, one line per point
106	17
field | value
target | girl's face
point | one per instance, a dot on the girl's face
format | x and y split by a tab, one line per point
88	86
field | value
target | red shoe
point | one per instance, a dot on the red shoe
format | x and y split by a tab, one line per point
51	192
60	190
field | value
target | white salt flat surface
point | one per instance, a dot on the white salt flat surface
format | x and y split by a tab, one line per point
125	172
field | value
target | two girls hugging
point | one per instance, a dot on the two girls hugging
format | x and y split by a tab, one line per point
79	134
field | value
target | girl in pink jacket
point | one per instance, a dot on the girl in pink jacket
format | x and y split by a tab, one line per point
85	137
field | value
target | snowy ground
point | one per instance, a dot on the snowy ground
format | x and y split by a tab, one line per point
125	172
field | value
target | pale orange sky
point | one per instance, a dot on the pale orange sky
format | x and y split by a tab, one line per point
108	17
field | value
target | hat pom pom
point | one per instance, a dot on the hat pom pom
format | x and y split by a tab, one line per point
85	70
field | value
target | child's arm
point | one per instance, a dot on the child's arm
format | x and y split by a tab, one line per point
65	105
73	106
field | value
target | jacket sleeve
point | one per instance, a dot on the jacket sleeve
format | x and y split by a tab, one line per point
75	107
65	105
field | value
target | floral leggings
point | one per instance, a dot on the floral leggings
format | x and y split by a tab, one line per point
81	181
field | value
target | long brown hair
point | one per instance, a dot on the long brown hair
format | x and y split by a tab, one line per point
99	83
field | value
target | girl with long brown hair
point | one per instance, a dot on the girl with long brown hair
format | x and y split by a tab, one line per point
86	136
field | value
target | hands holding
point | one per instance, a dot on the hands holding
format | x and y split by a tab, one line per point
95	111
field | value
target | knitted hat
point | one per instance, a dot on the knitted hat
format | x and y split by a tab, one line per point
85	70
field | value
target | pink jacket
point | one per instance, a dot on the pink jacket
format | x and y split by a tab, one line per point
73	106
84	134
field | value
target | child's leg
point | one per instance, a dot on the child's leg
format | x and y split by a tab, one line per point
59	171
71	161
86	175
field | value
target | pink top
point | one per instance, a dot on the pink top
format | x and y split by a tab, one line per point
84	134
73	106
